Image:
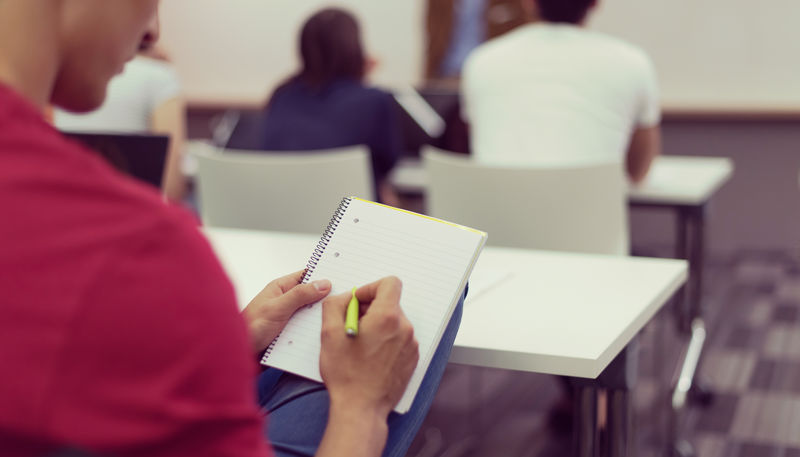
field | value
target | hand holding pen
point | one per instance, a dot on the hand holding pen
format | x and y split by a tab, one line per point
369	371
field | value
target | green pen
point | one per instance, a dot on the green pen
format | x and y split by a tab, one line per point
351	321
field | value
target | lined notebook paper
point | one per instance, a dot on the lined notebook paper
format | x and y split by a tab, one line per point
364	242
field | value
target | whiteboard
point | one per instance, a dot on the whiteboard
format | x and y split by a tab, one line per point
738	55
237	51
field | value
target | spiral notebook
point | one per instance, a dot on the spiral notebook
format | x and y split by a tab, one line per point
366	241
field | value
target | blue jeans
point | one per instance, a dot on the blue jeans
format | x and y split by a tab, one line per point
297	408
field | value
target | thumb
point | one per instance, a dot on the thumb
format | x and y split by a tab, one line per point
304	294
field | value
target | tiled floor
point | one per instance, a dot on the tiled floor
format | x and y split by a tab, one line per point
751	362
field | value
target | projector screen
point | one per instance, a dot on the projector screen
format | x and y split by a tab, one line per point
711	55
236	51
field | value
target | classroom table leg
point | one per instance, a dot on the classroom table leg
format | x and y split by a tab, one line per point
700	393
685	382
585	427
689	385
681	298
619	440
689	311
696	262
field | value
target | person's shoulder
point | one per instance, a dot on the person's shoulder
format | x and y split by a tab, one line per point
81	195
173	245
291	88
160	263
162	304
136	214
496	47
362	94
382	101
152	243
96	222
378	94
495	53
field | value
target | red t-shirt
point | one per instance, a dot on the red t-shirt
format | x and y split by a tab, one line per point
119	331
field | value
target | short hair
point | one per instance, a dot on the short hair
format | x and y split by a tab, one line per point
569	11
330	48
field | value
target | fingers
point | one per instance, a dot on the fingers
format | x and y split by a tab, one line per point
303	294
285	283
371	371
381	293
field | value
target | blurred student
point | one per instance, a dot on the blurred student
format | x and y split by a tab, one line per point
552	93
328	104
119	331
144	98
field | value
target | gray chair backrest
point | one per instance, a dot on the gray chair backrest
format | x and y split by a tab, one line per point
296	192
578	209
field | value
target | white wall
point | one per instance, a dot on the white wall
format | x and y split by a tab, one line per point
710	54
715	53
238	50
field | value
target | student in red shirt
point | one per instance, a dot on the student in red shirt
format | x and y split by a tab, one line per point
119	332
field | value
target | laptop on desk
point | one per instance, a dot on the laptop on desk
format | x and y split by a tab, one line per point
141	156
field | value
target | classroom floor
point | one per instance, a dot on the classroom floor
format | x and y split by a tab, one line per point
751	361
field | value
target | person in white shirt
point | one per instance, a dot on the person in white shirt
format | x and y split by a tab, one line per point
146	97
552	93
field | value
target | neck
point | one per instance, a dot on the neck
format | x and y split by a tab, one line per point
29	48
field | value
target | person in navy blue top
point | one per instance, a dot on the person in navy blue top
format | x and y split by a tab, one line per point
327	105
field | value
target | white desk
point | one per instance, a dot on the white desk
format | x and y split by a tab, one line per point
544	312
561	313
558	313
685	185
672	180
682	180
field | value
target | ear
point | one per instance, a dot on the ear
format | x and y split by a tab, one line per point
151	34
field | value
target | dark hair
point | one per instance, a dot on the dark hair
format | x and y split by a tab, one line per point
330	47
570	11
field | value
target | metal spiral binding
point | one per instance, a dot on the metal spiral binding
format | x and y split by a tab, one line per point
326	238
338	215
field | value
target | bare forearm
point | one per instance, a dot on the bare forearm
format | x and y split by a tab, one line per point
353	432
644	147
174	182
365	376
169	119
